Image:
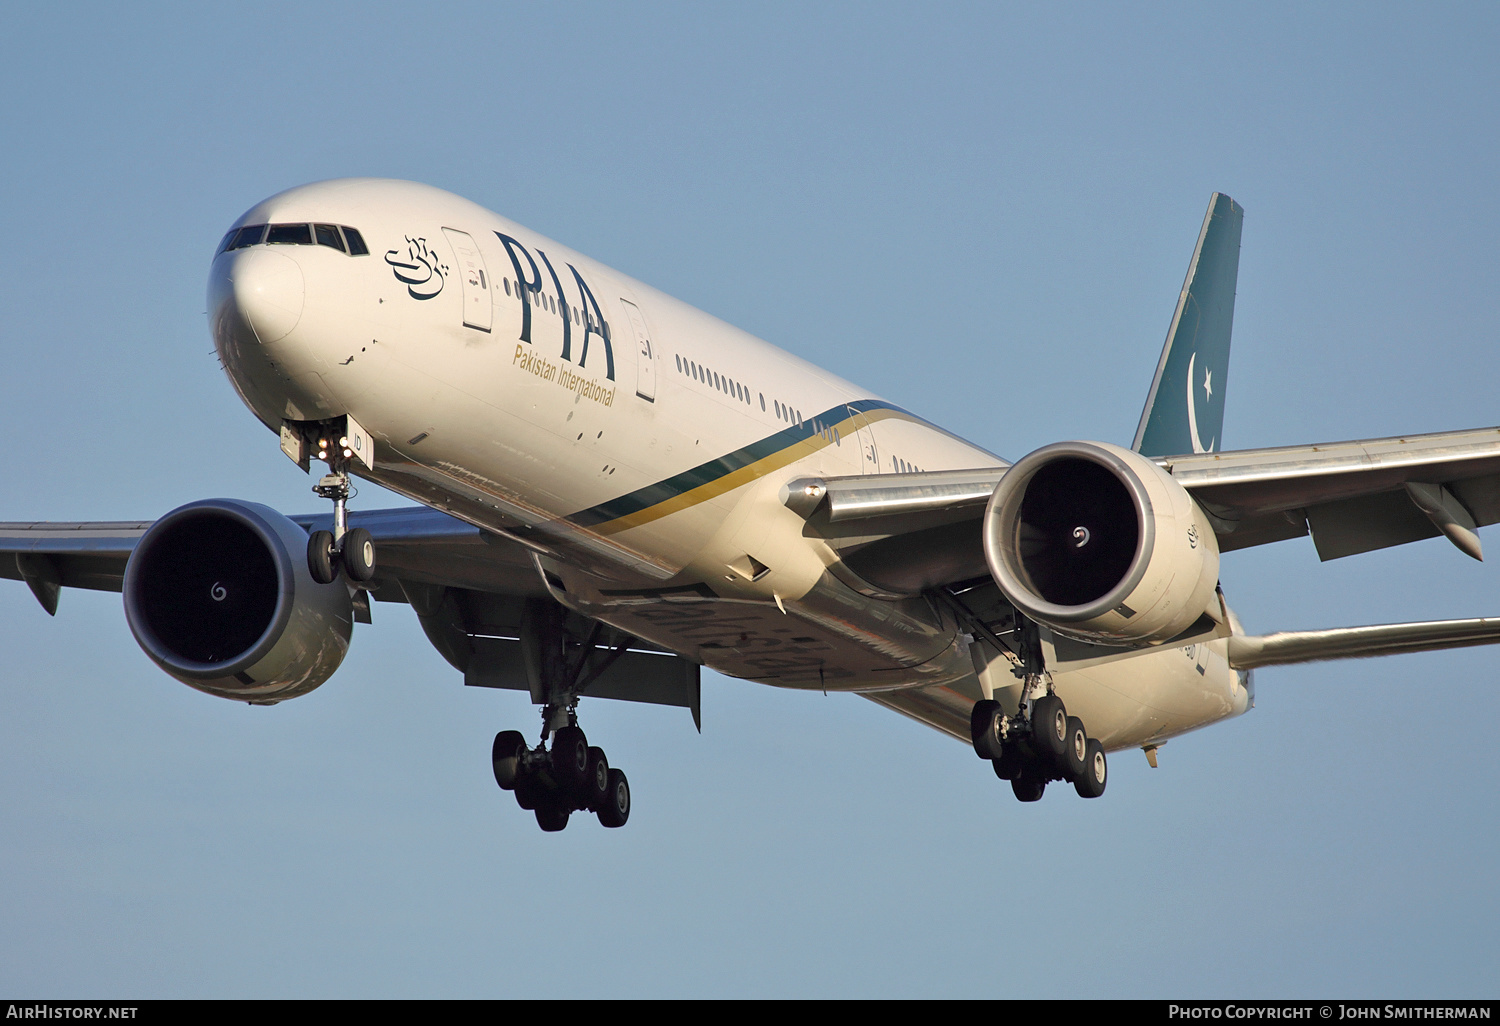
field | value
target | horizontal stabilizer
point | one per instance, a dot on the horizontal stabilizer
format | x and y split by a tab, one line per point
1247	653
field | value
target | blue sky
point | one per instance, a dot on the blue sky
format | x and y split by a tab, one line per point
981	212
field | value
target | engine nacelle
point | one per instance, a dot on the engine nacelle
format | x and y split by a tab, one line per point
1100	544
218	594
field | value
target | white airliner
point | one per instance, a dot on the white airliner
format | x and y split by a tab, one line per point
618	489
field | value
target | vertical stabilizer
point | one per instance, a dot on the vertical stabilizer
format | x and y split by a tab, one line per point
1185	410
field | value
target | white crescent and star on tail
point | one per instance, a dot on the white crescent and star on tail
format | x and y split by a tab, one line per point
1192	410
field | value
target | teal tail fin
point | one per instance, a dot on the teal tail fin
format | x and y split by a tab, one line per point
1185	409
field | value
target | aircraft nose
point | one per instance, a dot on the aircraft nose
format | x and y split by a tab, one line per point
269	291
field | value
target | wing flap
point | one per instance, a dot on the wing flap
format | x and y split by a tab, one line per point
1365	523
941	708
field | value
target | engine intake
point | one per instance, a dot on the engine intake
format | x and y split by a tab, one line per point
218	594
1100	544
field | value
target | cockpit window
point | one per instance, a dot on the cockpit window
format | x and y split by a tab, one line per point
250	235
357	245
226	240
289	235
342	238
328	235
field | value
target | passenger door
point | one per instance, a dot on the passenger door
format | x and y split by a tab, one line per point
478	306
645	353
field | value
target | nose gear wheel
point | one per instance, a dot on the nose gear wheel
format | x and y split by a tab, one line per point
343	548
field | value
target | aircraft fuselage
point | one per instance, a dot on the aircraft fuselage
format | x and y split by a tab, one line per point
638	446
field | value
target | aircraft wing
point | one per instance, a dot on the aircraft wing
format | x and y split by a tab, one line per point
1351	496
469	588
907	532
419	545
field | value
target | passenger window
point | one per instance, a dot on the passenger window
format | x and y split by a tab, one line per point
328	235
289	235
356	242
250	235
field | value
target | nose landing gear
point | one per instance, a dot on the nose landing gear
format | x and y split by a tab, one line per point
353	551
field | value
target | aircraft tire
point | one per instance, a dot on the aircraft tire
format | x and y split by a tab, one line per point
1090	783
616	808
595	790
1049	731
505	755
320	557
1076	758
1028	787
531	791
983	723
570	759
552	817
358	554
1009	765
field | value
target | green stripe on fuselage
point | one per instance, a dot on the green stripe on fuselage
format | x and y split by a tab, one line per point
737	468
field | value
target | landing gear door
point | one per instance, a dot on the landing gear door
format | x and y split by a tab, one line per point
478	307
645	353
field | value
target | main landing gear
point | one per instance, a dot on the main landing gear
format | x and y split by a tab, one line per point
1043	743
573	776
